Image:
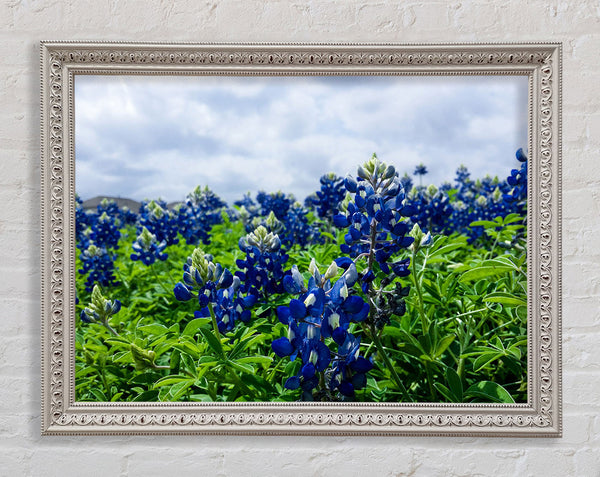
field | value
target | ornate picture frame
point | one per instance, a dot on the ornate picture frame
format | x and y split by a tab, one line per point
62	415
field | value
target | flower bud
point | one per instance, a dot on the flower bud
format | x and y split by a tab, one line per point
432	190
331	271
496	195
312	268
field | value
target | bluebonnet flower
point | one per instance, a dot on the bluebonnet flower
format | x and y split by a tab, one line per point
147	249
250	208
518	182
486	199
310	201
159	221
406	181
278	203
318	318
420	170
216	288
270	222
109	207
332	192
462	174
100	309
376	218
83	221
261	272
128	216
201	275
349	368
201	211
99	264
432	208
229	307
105	231
297	230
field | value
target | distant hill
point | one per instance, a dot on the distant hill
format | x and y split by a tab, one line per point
133	205
95	201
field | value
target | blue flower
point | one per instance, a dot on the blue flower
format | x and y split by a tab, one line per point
278	203
99	263
201	210
321	314
261	272
431	207
214	286
377	217
147	249
229	307
420	170
349	368
105	231
159	221
100	309
327	199
297	230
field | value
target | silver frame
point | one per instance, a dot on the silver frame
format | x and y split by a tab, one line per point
540	416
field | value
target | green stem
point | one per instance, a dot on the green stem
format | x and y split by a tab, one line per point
159	281
216	331
232	372
430	381
240	383
490	254
417	282
417	277
461	368
105	383
389	365
110	328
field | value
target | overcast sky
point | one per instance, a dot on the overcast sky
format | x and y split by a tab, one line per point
149	137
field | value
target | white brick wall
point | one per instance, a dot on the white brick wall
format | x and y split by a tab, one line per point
24	22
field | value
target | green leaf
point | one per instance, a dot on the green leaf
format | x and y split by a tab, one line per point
443	344
446	249
483	360
213	341
173	379
179	389
454	384
505	299
193	326
489	391
99	395
485	223
444	391
153	329
244	368
264	360
484	272
146	396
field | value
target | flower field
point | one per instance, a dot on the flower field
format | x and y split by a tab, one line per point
376	288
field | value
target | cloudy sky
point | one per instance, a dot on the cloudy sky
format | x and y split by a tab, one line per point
150	137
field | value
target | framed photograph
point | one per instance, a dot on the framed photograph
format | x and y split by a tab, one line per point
301	239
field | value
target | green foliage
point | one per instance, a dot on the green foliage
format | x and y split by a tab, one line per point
462	339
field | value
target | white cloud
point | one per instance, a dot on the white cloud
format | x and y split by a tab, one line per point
149	136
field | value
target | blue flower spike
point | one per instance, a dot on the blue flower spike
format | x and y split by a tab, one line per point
100	309
215	286
318	319
147	249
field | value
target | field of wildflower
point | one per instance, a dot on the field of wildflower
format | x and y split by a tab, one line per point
376	288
